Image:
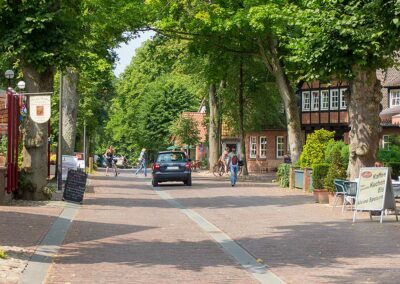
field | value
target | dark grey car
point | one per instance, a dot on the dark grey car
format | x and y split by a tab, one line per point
172	166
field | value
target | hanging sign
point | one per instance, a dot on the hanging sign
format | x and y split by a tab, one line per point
40	108
374	191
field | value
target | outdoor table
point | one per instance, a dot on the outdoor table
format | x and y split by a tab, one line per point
396	188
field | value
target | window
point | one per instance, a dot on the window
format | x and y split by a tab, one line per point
385	141
394	97
324	100
315	100
253	147
334	99
306	101
279	146
263	147
343	102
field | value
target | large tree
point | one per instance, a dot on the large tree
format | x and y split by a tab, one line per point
42	36
350	40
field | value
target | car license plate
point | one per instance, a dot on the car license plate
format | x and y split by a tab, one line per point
173	168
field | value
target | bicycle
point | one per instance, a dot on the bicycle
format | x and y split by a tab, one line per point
219	169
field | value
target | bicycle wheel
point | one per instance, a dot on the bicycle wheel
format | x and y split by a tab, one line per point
216	170
240	171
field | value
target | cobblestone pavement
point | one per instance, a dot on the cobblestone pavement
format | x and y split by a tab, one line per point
22	226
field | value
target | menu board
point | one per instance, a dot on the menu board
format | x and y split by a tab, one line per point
375	192
75	186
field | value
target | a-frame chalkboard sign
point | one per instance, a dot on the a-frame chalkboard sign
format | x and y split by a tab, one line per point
375	192
75	186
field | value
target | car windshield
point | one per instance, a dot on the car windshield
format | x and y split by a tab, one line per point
171	157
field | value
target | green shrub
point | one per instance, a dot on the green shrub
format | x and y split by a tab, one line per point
314	150
2	253
283	175
336	170
340	146
3	145
319	173
395	166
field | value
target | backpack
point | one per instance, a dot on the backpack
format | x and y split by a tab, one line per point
234	160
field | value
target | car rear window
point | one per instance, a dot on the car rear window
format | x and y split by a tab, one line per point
171	157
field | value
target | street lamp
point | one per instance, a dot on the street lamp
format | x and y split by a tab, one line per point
9	74
21	85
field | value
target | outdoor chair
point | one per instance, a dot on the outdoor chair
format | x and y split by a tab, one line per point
350	188
340	191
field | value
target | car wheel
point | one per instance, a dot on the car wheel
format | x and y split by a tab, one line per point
154	182
188	182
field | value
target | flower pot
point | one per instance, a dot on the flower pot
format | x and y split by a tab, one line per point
321	196
332	198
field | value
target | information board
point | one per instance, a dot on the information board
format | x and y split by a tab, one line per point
374	191
75	186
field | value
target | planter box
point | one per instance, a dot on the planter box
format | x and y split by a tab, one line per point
332	198
321	196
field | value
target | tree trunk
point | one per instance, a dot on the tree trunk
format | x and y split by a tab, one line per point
241	121
213	128
275	66
364	107
70	110
35	135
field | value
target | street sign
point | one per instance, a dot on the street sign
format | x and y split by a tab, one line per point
40	108
374	191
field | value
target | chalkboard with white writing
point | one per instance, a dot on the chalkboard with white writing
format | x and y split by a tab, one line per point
75	186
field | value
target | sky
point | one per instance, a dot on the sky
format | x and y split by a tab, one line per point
127	51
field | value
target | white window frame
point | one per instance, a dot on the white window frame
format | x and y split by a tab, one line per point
332	106
253	147
386	142
324	94
315	100
343	102
306	99
263	147
394	101
282	144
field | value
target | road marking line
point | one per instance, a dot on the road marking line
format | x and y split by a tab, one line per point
42	259
259	271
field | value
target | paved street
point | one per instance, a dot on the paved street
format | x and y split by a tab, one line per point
125	232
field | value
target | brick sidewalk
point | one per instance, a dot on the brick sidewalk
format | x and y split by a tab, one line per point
302	241
124	233
21	230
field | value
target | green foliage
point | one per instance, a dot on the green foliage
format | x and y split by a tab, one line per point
2	254
390	156
316	145
43	34
340	146
319	173
185	129
3	145
48	191
336	170
283	175
152	92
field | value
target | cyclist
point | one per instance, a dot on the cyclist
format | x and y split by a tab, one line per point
109	155
225	158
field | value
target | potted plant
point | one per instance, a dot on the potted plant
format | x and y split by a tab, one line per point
336	170
318	174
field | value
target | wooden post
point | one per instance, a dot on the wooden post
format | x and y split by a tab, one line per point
90	164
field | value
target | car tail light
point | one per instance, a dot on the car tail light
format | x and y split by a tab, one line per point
188	166
156	167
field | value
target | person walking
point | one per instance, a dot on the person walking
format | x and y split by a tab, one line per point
109	155
142	162
233	165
